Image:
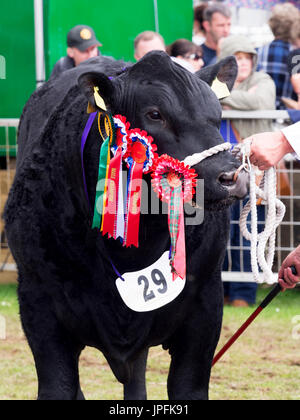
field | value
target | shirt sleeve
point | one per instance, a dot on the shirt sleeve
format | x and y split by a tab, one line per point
292	134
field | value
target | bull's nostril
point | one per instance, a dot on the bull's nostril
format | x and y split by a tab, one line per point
227	179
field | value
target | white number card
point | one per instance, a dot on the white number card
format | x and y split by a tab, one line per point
150	288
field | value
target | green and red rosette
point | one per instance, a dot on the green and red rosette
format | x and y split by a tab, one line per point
174	183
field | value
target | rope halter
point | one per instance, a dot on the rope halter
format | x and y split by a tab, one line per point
263	244
196	158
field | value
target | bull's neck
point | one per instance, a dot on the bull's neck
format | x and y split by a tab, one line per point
154	240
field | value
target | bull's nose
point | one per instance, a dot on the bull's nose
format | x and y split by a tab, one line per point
227	179
236	186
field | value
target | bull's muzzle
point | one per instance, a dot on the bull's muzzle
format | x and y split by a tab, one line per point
237	184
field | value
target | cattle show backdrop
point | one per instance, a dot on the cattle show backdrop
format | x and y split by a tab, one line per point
17	79
116	26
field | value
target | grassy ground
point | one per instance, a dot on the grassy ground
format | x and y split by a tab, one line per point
264	364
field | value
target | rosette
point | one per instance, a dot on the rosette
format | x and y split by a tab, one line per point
170	173
140	156
137	149
141	150
122	129
174	183
113	217
104	163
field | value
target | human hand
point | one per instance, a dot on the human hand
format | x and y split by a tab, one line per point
287	279
267	149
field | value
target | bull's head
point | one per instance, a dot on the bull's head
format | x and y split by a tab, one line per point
179	110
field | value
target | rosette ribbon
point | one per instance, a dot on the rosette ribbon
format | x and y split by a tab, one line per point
104	161
137	149
114	217
140	156
174	183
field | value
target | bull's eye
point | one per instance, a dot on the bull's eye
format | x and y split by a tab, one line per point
154	115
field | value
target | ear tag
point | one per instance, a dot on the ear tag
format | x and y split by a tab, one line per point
220	89
98	99
90	108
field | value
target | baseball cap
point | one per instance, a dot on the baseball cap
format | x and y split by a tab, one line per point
82	37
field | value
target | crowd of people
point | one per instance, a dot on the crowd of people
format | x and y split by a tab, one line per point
268	79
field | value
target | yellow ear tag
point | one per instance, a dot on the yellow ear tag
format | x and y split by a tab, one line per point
220	89
98	99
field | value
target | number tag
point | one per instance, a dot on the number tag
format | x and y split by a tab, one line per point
150	288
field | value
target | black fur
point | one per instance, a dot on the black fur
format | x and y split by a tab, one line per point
67	294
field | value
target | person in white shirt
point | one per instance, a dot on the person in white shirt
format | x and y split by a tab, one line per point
267	149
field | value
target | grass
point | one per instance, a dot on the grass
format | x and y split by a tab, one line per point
263	364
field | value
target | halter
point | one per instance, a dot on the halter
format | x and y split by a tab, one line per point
263	244
172	180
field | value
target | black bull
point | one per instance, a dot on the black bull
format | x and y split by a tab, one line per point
67	293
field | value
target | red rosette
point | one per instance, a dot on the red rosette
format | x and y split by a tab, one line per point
140	157
170	173
141	149
122	129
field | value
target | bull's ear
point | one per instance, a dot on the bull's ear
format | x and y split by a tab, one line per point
224	72
98	89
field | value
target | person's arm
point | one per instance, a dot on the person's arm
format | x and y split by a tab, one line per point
287	279
267	149
292	134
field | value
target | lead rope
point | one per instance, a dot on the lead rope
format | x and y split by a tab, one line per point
262	244
198	157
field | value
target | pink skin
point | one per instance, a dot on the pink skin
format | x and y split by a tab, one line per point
218	28
81	56
267	149
287	279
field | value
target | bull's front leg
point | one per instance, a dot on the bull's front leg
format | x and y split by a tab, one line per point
135	388
193	346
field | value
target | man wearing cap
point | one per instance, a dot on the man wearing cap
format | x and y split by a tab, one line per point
82	45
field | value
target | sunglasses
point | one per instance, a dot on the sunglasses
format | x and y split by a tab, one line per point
194	57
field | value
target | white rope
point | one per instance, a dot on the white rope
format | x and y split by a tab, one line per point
263	244
198	157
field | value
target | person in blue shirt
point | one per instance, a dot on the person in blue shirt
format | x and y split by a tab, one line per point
273	57
217	25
